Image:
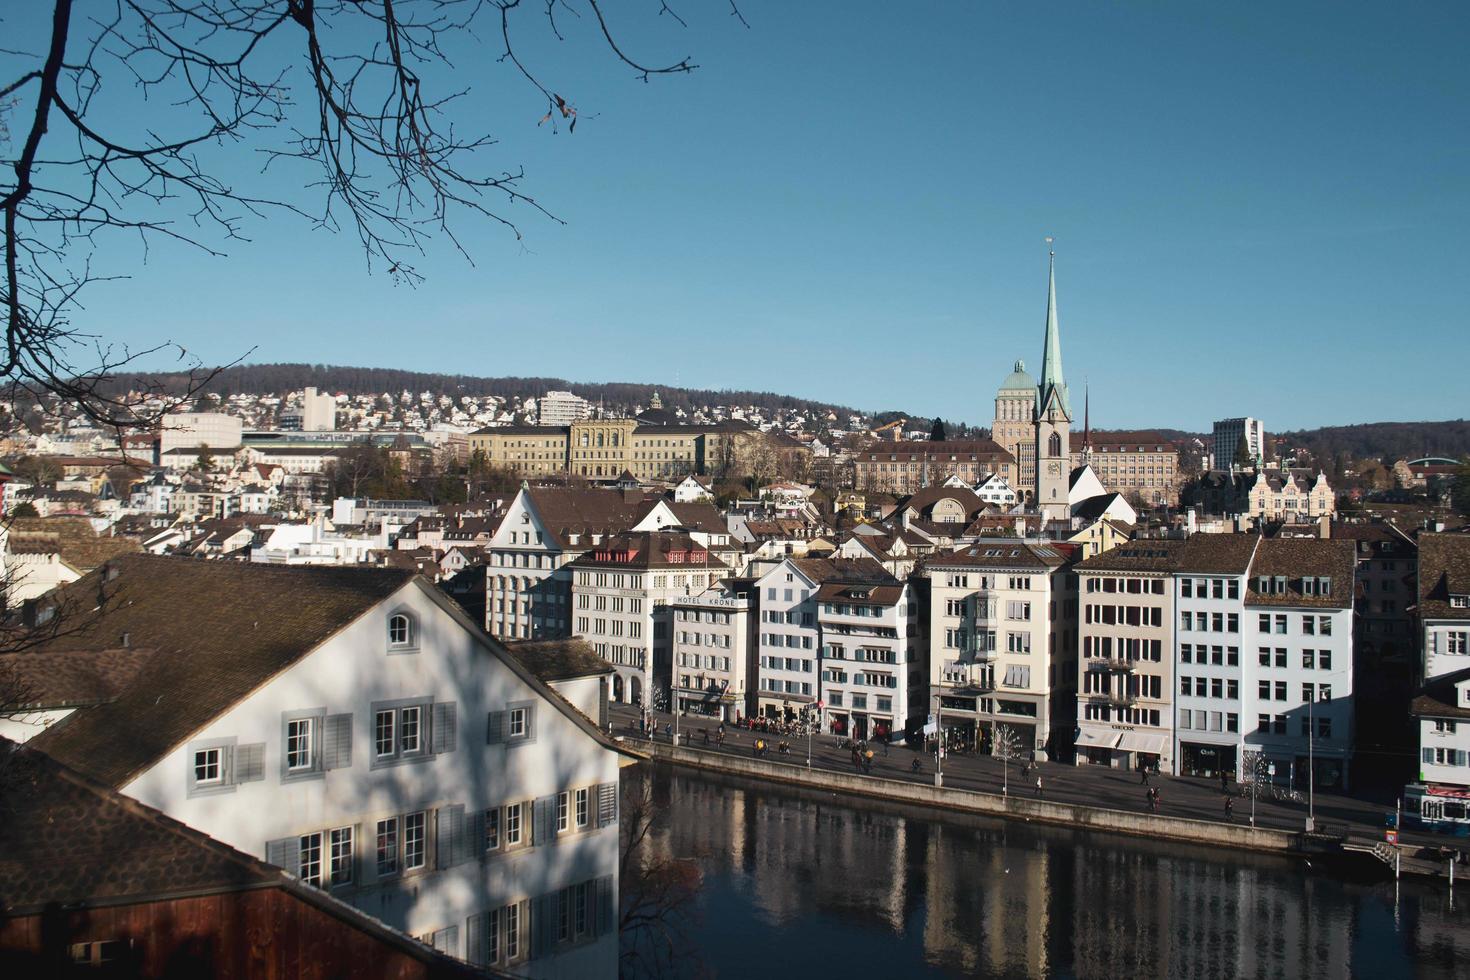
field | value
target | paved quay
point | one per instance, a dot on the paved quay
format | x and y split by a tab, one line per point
1180	797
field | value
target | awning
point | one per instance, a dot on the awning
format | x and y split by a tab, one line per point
1138	742
1097	740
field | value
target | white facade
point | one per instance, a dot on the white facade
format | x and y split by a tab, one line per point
869	649
527	587
1227	438
1304	694
318	412
425	781
1002	644
561	408
691	491
196	430
711	653
788	642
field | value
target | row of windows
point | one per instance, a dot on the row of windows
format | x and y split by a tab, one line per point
1320	659
1209	687
859	702
1209	721
1131	586
790	641
1209	622
1276	725
706	661
773	686
1201	654
1110	615
696	616
1126	648
1122	715
1276	691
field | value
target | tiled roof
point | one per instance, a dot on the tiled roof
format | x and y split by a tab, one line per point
558	660
70	842
1218	554
853	570
1137	556
1293	558
650	549
1005	554
74	677
81	547
1439	698
218	630
577	510
1444	570
68	839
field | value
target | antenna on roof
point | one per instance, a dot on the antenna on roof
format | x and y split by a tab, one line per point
1049	250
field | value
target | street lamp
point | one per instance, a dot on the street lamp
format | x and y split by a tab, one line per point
813	713
939	741
1311	769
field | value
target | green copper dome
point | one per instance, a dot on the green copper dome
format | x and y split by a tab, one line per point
1019	380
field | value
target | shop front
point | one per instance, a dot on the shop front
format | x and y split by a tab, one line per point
1096	746
1140	750
1203	759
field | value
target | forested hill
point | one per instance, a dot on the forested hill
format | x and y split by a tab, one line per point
1387	441
280	378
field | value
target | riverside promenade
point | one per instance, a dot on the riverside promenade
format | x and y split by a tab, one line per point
1096	798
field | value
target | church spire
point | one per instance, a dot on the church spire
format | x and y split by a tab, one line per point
1052	381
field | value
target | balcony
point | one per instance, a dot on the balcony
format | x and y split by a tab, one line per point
1116	699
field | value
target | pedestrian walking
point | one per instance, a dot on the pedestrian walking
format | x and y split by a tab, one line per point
1229	809
1038	787
1143	776
1224	782
885	745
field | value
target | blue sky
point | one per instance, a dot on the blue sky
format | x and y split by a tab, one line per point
1255	209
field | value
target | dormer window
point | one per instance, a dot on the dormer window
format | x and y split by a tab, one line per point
402	632
1460	601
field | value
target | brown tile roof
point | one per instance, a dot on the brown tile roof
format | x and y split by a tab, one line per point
559	660
1444	570
81	547
74	677
1218	554
218	629
651	549
577	510
860	594
1439	698
853	570
701	516
1147	440
1137	556
68	839
1293	558
1002	554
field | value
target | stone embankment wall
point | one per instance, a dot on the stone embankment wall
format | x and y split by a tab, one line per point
1017	808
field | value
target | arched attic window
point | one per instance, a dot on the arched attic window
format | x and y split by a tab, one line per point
403	631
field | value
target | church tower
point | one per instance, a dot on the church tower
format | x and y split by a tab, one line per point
1053	415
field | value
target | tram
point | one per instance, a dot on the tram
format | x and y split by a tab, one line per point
1442	809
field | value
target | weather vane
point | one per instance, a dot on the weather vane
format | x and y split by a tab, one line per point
1049	249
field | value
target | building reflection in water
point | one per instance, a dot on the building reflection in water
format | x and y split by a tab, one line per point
968	896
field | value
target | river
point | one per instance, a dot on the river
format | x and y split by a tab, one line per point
808	884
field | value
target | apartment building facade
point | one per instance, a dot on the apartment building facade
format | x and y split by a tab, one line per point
1441	708
872	674
1125	686
1003	643
622	591
368	739
714	651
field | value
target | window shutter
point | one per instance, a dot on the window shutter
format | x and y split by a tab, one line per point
451	843
284	853
250	762
476	832
1428	755
444	732
365	852
446	940
540	921
542	824
337	742
474	930
607	804
530	722
495	728
605	912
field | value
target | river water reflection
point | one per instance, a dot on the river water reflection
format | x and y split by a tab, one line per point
809	884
